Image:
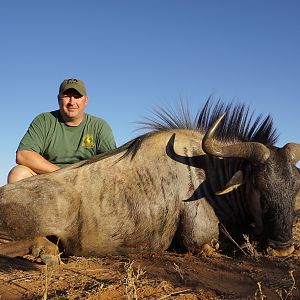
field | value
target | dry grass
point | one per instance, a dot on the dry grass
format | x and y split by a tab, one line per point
283	293
250	247
168	276
171	295
259	295
133	280
178	270
45	295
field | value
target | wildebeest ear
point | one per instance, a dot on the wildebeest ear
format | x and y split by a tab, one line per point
236	180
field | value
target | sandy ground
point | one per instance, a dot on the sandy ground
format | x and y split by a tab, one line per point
155	276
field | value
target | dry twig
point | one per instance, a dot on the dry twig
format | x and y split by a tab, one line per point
174	294
290	291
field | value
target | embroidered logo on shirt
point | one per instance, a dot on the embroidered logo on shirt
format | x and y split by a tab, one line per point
88	141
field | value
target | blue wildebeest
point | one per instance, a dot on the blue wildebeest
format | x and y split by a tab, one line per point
173	184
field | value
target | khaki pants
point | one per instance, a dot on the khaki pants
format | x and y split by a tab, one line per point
19	172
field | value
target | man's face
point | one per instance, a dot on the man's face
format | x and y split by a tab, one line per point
72	105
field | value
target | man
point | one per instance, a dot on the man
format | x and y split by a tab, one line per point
62	137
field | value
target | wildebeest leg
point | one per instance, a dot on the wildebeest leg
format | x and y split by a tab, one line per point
38	247
198	226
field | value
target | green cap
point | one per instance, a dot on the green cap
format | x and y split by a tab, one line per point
72	83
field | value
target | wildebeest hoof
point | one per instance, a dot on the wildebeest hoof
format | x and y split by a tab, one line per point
35	251
45	250
210	250
280	252
50	260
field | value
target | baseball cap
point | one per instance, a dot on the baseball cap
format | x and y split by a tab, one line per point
73	83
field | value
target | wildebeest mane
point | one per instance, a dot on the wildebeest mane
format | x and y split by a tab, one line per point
237	126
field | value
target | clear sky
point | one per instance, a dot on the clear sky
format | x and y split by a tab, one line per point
135	55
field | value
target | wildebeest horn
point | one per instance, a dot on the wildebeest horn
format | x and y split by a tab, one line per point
252	151
293	151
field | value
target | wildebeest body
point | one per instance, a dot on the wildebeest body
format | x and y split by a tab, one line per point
160	188
111	206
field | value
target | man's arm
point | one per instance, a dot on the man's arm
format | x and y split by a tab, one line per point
35	162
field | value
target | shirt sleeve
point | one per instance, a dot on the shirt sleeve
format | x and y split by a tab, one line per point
34	137
106	140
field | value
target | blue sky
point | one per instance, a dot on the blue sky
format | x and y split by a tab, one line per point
135	55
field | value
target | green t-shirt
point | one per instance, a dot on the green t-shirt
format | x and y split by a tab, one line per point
61	144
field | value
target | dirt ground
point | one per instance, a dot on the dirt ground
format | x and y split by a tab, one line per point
155	276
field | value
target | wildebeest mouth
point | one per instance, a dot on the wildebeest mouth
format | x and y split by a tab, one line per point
279	245
282	249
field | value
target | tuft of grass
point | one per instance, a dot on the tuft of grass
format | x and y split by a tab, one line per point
259	293
47	279
250	247
178	270
133	280
227	234
283	293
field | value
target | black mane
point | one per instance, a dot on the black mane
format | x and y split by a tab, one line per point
238	124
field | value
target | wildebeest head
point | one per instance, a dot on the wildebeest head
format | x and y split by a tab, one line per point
272	182
263	179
